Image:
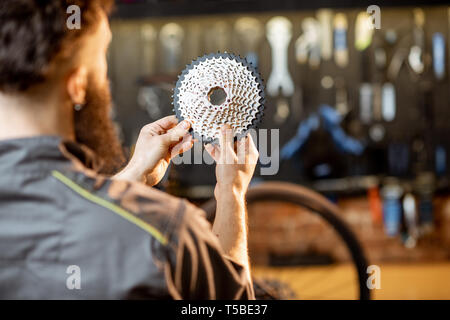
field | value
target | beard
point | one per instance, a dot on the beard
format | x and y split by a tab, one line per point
95	129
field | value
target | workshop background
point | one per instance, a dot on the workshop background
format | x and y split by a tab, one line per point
367	126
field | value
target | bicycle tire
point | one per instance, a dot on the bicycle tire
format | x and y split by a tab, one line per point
316	203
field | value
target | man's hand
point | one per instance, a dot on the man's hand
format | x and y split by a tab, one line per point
235	166
157	144
235	162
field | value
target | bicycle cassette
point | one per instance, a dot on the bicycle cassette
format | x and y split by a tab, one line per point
219	89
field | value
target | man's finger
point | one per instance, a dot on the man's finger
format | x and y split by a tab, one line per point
167	123
160	126
183	146
226	140
253	151
242	147
176	134
213	151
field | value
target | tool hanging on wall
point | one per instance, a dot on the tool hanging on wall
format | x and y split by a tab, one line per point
363	31
376	104
218	37
384	104
375	205
368	95
171	37
250	32
425	185
369	92
439	55
365	102
307	46
399	56
340	40
377	131
279	34
416	53
411	220
325	18
440	160
149	36
397	60
388	102
332	124
392	209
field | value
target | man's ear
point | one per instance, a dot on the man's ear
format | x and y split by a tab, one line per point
76	85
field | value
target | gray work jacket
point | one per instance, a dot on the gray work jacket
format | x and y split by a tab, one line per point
67	232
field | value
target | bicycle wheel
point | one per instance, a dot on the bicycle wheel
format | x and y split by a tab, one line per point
316	204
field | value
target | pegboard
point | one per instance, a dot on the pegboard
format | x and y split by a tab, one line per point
422	117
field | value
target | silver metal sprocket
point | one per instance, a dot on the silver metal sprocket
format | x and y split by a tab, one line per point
244	103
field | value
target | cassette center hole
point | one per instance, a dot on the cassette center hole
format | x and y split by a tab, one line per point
217	96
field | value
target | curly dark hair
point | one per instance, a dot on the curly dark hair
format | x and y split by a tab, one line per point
34	32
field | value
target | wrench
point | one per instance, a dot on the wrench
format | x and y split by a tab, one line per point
279	34
416	53
340	40
363	31
325	17
388	102
309	43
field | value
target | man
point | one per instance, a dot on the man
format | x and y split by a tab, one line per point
67	230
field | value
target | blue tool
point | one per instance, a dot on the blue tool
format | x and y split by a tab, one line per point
331	120
439	55
392	209
441	160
